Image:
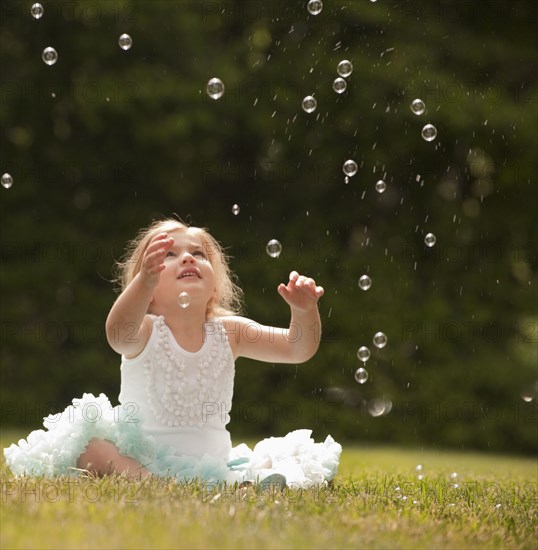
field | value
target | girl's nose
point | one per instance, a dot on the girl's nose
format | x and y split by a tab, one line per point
187	258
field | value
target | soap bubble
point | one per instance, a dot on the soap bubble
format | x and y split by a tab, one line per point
380	340
235	209
350	168
339	85
37	10
215	88
361	375
380	186
7	180
183	300
365	282
314	7
273	248
417	106
429	132
309	104
363	353
344	68
379	406
49	56
430	239
125	42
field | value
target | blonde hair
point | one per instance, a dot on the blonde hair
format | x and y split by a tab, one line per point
228	295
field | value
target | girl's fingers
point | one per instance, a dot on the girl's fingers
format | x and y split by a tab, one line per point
293	276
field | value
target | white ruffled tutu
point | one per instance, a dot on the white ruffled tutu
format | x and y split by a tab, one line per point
55	450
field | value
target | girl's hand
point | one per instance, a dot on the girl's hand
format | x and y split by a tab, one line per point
301	293
153	259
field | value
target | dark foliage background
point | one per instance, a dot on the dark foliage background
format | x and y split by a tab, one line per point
105	140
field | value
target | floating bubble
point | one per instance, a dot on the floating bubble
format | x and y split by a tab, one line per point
380	340
183	300
309	104
215	88
430	239
273	248
380	186
418	106
429	132
350	168
339	85
344	68
361	375
453	475
235	209
379	406
363	353
346	180
37	10
365	282
49	56
314	7
7	180
125	42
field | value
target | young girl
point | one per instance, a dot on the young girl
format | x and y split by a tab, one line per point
176	327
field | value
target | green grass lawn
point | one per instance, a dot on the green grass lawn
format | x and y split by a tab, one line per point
376	501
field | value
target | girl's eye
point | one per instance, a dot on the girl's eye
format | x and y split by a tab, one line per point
198	253
170	253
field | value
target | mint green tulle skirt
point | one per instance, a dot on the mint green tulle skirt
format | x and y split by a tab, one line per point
54	451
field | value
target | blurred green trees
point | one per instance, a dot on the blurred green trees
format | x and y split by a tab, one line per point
105	140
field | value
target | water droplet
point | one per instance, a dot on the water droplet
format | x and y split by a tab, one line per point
430	239
49	56
429	132
346	180
380	340
344	68
314	7
273	248
7	180
361	375
365	282
418	106
125	42
380	186
339	85
350	168
363	353
309	104
215	88
37	10
235	209
183	300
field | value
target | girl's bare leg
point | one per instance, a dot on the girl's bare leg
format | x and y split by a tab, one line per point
103	457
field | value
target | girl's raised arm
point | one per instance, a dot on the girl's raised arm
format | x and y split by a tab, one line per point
296	344
127	327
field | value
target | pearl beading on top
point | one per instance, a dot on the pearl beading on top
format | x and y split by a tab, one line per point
172	399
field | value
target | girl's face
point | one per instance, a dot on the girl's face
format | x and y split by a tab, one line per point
187	269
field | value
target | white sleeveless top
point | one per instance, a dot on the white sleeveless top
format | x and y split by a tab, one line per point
182	398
